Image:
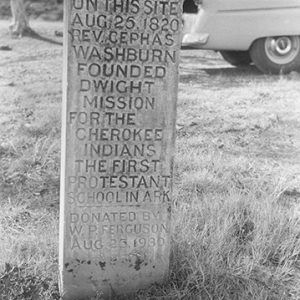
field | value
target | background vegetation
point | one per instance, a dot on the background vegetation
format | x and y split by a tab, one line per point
50	10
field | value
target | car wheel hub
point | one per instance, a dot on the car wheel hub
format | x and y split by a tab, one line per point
282	50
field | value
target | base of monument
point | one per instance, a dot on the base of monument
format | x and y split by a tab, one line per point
90	293
87	284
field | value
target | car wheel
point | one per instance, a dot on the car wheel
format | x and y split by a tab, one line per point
275	55
237	58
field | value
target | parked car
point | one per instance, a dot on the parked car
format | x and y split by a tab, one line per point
263	32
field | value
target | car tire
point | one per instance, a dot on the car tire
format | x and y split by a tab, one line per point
276	55
237	58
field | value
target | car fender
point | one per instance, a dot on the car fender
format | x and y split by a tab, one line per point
236	24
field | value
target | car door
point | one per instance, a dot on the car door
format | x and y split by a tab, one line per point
256	5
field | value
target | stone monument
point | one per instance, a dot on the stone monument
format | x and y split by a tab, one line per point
119	110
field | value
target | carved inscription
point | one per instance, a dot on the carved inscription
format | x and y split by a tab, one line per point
121	95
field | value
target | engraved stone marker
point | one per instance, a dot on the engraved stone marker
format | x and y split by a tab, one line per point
120	93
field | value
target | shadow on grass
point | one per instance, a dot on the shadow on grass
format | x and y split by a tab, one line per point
221	74
199	59
34	35
216	70
234	71
19	284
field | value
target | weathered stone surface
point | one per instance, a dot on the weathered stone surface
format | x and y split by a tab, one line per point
120	92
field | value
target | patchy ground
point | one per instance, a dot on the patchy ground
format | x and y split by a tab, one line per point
238	155
240	110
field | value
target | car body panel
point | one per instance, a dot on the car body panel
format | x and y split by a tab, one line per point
236	24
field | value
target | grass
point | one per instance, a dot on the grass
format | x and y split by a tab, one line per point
238	240
236	225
